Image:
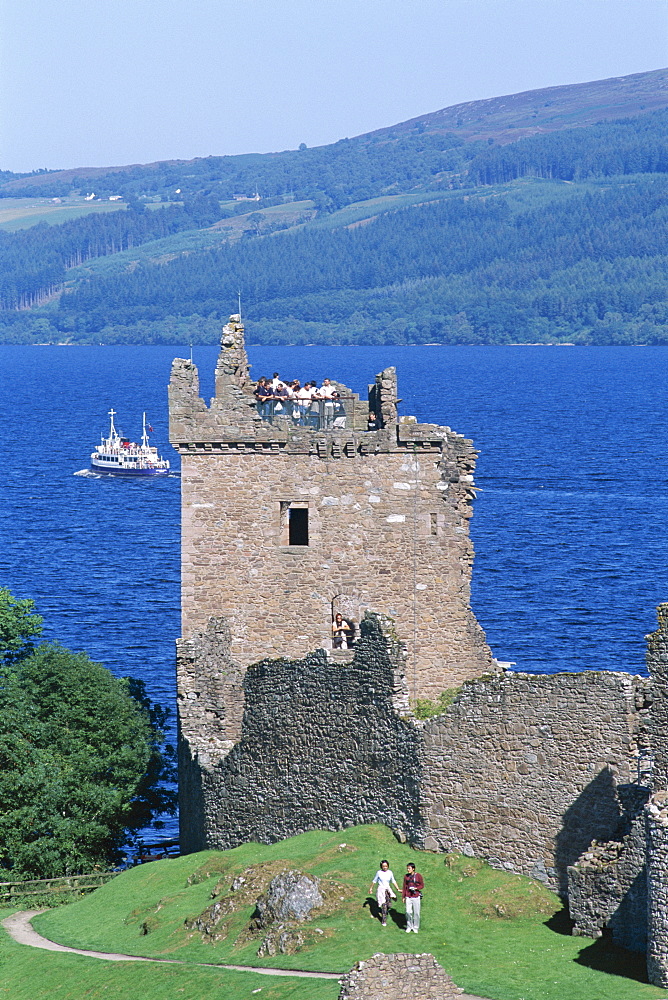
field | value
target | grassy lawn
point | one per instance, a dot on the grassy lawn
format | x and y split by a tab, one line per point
498	935
30	974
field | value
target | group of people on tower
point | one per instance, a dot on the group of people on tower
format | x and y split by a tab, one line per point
307	404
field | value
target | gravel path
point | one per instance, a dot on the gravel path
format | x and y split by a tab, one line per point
19	927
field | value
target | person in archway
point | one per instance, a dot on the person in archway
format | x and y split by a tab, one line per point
341	630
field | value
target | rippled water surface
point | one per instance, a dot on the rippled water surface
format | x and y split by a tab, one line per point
569	526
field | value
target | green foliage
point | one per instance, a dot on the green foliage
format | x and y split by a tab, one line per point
426	709
81	763
576	252
586	265
498	935
629	146
18	626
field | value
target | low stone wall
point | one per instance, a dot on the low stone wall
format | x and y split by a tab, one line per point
523	769
398	977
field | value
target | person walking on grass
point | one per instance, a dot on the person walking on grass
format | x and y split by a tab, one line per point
383	880
412	895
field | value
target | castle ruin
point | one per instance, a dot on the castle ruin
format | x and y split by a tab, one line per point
289	517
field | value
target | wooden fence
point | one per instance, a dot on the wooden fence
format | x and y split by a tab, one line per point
53	886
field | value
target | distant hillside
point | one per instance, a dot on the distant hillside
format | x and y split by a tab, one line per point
433	148
419	233
537	112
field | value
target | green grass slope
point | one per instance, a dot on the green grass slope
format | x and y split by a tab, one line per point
22	213
498	935
31	974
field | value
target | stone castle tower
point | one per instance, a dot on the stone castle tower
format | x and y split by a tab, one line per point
291	516
287	521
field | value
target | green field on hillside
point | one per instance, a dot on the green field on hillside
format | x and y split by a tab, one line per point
189	241
22	213
498	935
359	211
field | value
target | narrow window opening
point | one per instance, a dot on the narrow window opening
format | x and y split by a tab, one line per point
298	526
434	524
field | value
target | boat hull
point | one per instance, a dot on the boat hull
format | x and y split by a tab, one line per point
128	472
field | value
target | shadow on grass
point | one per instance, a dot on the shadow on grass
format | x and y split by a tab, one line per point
560	922
602	954
398	918
394	915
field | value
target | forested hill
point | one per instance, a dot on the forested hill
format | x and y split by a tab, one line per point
406	155
421	233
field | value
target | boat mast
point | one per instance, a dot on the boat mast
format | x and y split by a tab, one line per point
112	429
144	437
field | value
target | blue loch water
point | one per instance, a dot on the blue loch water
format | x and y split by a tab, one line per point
569	526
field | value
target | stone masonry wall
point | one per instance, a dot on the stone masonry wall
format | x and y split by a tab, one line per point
523	769
657	889
324	745
210	702
657	808
398	977
387	513
607	887
277	598
657	665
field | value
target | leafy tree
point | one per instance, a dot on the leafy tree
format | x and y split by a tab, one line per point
18	626
82	762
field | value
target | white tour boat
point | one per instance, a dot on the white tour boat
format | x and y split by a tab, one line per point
124	457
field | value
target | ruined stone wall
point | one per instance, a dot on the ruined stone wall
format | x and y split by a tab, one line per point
657	665
657	808
607	887
523	769
398	977
657	889
324	745
210	703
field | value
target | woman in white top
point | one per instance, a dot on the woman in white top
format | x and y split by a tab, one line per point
383	880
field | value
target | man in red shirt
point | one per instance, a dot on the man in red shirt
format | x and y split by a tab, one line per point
412	895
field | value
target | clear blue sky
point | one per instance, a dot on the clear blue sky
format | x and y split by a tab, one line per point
95	83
